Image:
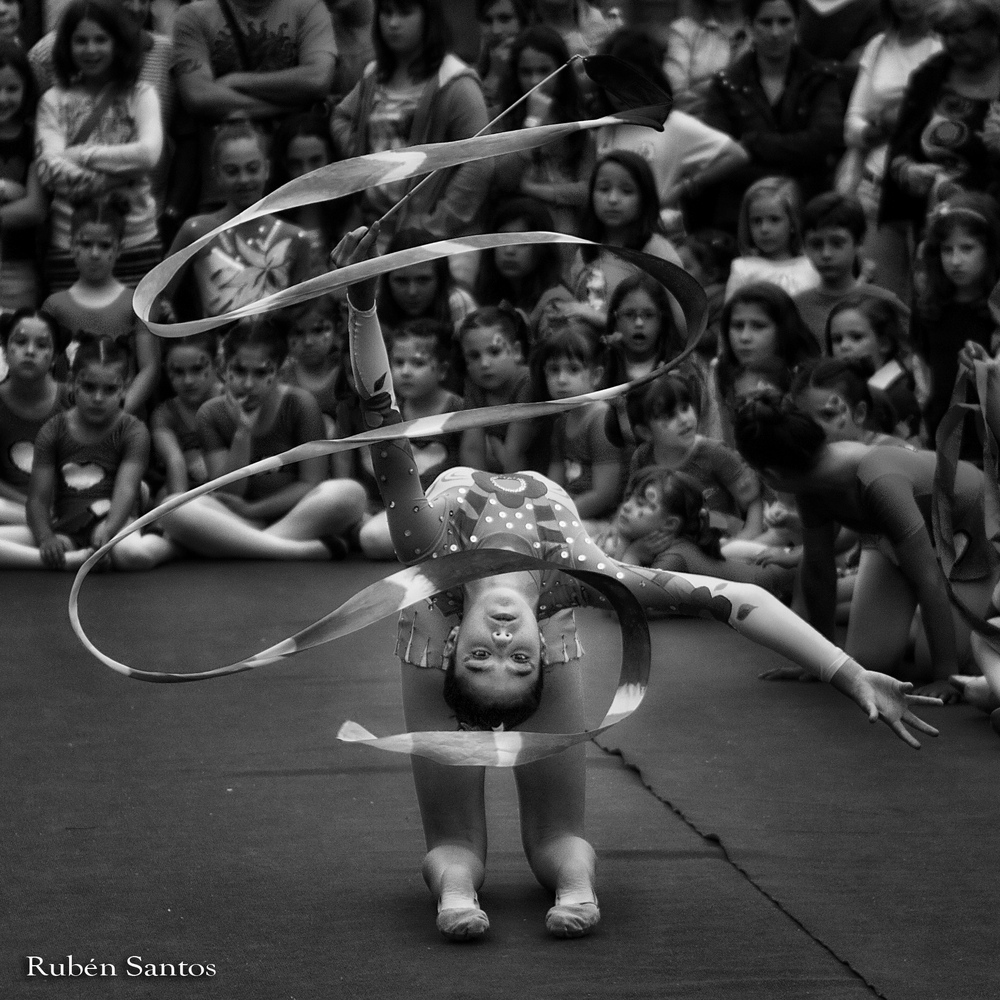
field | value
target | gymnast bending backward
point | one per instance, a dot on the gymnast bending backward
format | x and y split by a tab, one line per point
503	649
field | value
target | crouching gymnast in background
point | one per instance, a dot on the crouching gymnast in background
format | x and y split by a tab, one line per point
503	649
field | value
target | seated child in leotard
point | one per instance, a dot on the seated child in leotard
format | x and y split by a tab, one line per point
419	358
29	395
667	428
664	523
85	481
98	304
190	366
493	346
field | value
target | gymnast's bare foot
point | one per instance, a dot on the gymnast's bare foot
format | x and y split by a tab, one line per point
572	920
463	923
976	691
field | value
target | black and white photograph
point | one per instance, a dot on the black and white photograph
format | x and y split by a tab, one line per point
499	498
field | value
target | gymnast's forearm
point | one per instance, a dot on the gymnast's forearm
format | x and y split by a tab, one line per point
746	608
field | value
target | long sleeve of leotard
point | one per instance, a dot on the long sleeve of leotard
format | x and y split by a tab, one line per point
746	608
414	525
686	557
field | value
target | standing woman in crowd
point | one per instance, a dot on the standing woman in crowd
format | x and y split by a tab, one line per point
99	130
22	203
557	173
701	44
781	104
947	136
886	64
416	91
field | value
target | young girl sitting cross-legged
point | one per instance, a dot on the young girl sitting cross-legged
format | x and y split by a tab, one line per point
88	466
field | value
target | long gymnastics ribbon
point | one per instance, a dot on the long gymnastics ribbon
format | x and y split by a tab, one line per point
949	445
415	583
459	748
337	180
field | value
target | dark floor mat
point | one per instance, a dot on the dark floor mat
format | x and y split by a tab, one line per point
221	823
884	854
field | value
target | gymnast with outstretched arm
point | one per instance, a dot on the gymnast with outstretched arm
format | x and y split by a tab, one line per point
481	656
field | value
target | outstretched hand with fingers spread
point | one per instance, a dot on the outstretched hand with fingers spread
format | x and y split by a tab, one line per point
882	697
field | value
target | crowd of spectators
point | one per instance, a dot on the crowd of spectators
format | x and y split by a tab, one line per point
827	173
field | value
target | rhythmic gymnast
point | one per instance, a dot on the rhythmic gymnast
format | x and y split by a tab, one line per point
503	649
885	493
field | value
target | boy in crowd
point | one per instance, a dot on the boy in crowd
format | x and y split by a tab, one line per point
833	229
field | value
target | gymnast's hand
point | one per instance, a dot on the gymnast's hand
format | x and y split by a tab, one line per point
883	697
357	246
